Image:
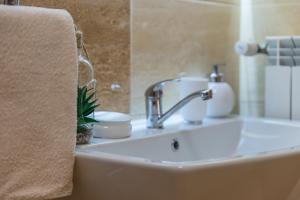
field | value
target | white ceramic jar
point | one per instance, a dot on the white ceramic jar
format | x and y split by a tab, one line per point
112	125
194	111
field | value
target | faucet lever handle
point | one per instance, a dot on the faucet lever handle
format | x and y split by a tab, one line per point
156	89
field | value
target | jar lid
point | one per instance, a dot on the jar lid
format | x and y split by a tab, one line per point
112	117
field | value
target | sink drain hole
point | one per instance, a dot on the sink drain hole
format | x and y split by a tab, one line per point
175	145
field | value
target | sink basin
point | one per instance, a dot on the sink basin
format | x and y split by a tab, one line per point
234	159
212	142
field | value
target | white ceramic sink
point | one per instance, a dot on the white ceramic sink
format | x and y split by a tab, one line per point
212	142
234	159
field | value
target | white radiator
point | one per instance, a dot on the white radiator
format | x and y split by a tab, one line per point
282	83
282	94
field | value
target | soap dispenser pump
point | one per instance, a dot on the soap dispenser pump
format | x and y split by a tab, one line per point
222	102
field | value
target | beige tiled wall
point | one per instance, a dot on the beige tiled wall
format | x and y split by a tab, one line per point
173	37
169	37
105	24
263	18
176	36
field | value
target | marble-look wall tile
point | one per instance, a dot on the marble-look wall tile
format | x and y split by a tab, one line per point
236	2
170	38
105	24
254	108
271	2
232	59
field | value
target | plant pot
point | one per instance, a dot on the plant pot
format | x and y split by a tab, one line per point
84	136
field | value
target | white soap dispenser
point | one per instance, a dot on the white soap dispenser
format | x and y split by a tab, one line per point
222	102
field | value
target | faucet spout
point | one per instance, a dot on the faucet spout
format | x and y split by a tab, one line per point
203	94
153	95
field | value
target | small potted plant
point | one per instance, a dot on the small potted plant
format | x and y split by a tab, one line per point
86	105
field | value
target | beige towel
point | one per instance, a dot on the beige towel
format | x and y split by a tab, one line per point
38	85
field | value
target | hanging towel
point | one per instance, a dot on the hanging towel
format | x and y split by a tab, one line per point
38	85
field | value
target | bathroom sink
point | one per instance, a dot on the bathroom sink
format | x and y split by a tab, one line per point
212	142
234	159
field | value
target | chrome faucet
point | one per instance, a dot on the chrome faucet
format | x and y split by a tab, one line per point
153	96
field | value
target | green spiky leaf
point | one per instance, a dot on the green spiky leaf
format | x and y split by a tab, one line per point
90	120
90	110
86	105
89	98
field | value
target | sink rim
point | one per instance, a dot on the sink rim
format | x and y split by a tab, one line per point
191	165
86	152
